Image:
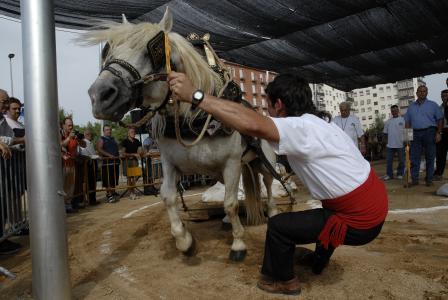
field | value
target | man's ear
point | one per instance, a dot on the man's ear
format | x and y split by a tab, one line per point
279	107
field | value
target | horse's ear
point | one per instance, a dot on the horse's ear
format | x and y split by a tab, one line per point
167	21
123	18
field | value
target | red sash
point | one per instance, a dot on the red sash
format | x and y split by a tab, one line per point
363	208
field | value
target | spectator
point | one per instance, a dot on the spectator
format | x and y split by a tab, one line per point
69	145
426	119
13	114
132	150
4	99
442	146
92	165
150	148
107	147
6	246
351	126
393	129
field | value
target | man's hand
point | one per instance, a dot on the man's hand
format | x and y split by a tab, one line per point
438	137
5	152
181	86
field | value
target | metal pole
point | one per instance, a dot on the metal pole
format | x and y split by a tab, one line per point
11	56
51	278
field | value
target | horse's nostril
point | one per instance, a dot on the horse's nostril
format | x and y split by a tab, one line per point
107	93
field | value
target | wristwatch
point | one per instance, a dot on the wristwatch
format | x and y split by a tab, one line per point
197	98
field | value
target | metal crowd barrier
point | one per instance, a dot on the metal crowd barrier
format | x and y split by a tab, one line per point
96	175
14	215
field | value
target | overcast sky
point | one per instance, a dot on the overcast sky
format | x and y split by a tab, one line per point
78	67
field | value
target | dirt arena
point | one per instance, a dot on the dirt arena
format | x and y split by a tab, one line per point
125	251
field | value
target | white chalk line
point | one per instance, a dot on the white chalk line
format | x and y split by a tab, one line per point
418	210
131	213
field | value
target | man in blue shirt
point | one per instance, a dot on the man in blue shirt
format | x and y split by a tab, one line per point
426	119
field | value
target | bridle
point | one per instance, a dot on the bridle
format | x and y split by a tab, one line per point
159	53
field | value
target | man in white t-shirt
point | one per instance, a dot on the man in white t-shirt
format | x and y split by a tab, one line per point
354	200
393	128
351	126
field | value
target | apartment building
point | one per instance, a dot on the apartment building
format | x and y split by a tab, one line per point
327	98
252	83
375	101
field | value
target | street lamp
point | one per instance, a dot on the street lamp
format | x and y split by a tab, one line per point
11	56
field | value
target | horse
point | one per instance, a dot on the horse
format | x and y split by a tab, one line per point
135	49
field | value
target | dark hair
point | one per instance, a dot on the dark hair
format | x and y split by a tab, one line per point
15	100
394	106
67	118
444	91
294	92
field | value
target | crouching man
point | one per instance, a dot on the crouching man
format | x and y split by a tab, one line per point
354	200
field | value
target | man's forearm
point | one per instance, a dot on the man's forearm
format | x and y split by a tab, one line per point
440	125
235	115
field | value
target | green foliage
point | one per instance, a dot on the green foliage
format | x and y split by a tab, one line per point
378	126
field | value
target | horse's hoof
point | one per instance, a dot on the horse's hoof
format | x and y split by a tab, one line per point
237	255
191	251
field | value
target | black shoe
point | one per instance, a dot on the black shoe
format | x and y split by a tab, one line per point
7	247
69	209
428	183
319	264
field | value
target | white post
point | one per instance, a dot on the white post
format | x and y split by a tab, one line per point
51	278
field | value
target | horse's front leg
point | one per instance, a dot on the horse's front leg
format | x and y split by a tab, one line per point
168	192
231	175
267	181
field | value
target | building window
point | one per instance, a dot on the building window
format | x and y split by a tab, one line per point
362	102
374	94
368	101
370	117
263	103
361	93
376	112
367	92
254	101
369	109
242	86
241	74
363	110
364	118
382	98
388	88
383	106
375	103
252	76
381	89
356	103
389	97
254	89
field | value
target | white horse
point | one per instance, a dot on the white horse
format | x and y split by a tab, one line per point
134	49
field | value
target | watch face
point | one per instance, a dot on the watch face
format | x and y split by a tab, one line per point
198	95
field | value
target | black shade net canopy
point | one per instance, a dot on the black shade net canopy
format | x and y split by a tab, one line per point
347	44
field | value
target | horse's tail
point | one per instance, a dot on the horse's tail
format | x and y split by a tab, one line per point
254	206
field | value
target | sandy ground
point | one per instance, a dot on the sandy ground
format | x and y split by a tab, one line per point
125	251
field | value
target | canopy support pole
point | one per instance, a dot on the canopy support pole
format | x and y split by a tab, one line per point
51	278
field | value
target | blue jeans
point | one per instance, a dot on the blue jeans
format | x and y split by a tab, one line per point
423	139
390	158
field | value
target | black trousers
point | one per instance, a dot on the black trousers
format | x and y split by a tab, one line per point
287	230
441	151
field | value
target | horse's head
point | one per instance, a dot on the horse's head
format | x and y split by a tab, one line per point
131	51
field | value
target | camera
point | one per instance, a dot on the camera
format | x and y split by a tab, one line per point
79	135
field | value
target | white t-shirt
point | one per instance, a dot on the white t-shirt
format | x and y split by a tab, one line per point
321	155
14	124
351	126
394	130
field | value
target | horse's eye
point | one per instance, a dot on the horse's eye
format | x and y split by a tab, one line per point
105	51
